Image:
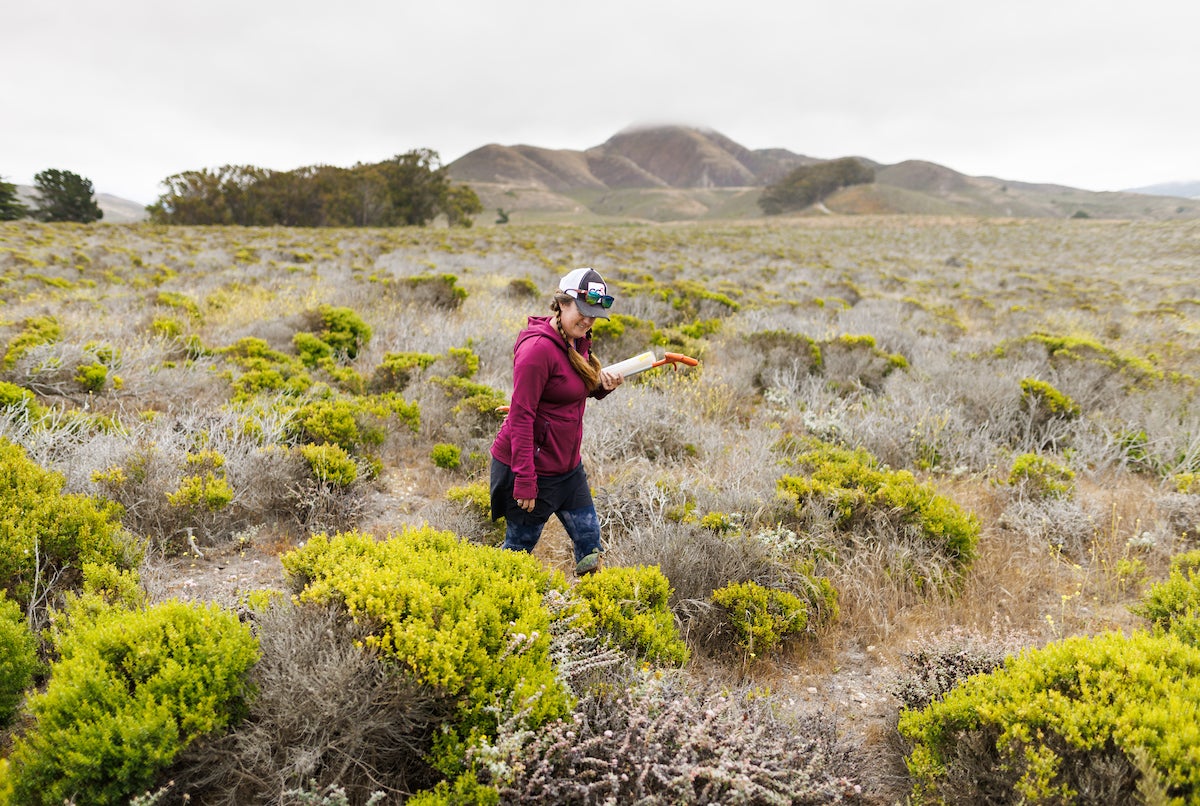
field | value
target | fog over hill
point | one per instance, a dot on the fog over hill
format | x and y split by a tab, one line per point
668	173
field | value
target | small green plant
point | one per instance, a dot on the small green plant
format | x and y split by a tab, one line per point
1039	395
91	377
330	464
35	331
630	606
1174	604
344	330
464	360
397	369
436	290
718	522
446	456
19	398
1039	477
762	618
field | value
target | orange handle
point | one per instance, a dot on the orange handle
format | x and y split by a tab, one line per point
675	358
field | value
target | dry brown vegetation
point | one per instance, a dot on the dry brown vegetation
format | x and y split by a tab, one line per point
685	465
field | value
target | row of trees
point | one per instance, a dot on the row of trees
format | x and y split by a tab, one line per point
61	196
810	184
408	189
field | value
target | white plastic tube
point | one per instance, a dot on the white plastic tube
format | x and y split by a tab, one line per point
632	366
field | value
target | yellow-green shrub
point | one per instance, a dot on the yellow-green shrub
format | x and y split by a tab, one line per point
1174	605
446	456
1040	477
330	464
344	330
35	331
763	618
464	618
47	537
130	690
91	377
18	657
464	362
630	606
396	369
1053	716
853	485
19	398
1041	396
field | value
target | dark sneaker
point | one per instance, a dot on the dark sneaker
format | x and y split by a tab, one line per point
588	564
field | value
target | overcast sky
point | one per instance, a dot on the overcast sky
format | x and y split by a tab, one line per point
1093	94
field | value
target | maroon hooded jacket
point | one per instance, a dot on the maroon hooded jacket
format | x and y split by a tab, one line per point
544	428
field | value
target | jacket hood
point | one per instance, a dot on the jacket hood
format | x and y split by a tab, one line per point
544	326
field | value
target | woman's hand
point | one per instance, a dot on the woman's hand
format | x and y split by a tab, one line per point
610	380
526	503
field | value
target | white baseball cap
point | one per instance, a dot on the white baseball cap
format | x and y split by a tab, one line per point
589	290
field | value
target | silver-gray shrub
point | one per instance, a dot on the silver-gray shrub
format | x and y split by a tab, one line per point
660	740
327	712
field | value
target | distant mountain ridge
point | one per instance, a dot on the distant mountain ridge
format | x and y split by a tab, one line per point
1183	190
673	173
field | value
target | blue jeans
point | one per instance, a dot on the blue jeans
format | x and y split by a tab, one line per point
582	525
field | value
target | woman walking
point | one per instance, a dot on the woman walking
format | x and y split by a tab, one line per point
537	470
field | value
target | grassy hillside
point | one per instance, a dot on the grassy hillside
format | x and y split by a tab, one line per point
981	433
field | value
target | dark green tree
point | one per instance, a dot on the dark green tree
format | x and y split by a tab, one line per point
460	204
11	207
65	196
810	184
409	189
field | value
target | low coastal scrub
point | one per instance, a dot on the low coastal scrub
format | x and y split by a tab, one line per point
129	690
1081	720
896	425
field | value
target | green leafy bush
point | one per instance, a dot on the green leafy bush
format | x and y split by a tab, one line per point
856	489
1066	719
311	348
91	377
1174	604
47	537
1041	396
18	657
630	606
129	691
19	398
354	423
446	456
35	331
397	369
434	290
344	330
464	360
1039	477
763	618
466	619
330	464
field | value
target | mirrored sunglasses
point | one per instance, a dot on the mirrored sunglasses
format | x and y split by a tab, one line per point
595	298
